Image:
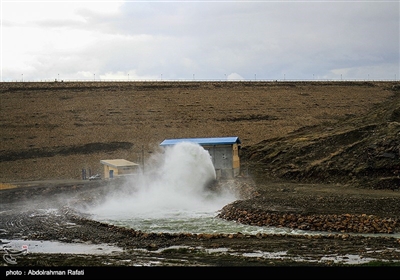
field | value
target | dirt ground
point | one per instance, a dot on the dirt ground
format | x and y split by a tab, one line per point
51	131
54	130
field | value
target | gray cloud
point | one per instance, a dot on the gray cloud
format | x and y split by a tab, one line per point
269	40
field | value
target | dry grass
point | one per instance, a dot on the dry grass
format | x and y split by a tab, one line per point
46	115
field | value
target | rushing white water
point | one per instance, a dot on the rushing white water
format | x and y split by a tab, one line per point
171	193
171	197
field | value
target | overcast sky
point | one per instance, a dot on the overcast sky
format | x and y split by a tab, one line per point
199	40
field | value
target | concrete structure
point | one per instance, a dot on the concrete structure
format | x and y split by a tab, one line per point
118	167
224	152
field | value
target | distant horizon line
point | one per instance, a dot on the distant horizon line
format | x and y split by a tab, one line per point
198	80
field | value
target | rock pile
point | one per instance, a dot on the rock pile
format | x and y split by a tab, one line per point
356	223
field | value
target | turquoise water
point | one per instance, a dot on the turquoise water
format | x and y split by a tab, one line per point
194	224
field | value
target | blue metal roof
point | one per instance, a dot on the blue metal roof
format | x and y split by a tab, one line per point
203	141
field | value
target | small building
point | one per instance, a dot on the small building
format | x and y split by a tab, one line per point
224	152
118	167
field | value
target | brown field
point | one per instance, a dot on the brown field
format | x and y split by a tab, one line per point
319	155
54	130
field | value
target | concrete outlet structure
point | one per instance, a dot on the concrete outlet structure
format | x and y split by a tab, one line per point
224	152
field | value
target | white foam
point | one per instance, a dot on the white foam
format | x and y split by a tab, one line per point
174	185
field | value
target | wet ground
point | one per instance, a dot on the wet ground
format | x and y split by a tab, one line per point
41	219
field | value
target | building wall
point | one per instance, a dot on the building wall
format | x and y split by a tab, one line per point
118	171
235	156
127	170
225	159
221	156
107	171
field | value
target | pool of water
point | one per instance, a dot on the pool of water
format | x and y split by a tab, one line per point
55	247
194	224
206	222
